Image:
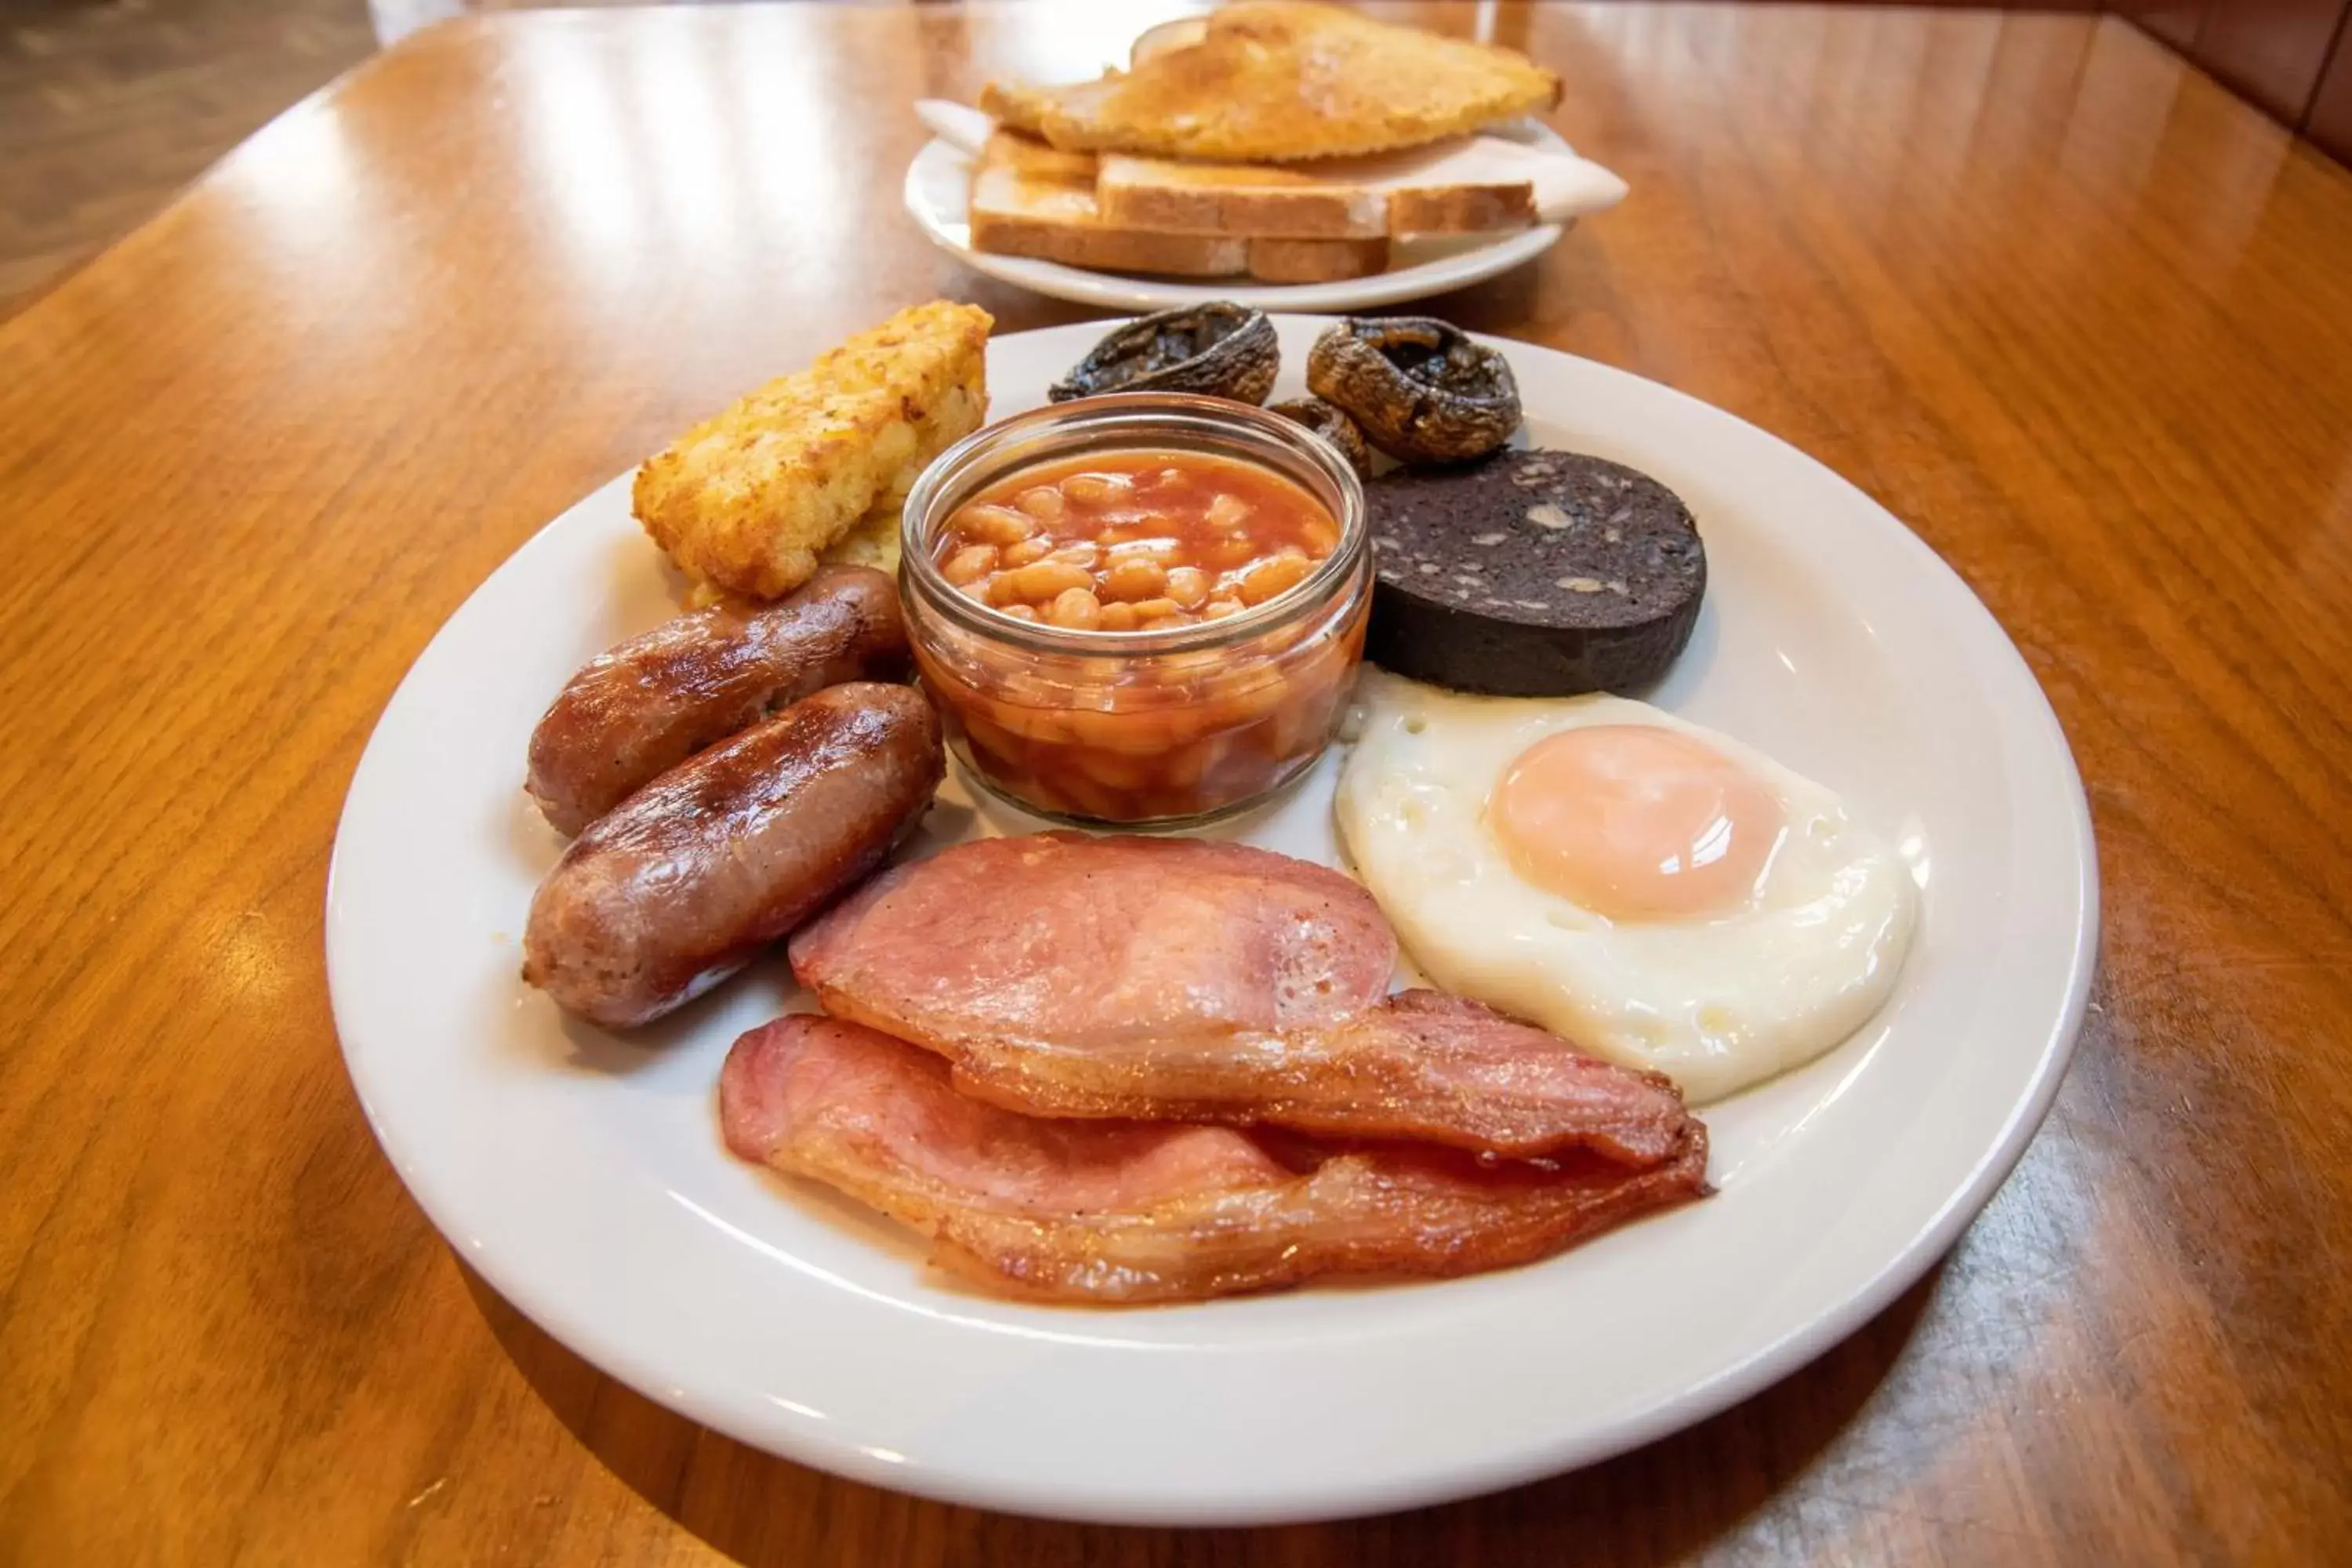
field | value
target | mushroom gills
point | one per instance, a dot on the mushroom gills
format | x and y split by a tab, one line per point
1218	350
1421	390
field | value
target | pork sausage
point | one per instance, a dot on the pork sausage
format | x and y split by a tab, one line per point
684	882
641	709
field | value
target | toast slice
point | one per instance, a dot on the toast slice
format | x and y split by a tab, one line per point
1279	261
1181	34
1024	154
1184	198
1017	106
1013	213
1029	199
1465	186
1281	79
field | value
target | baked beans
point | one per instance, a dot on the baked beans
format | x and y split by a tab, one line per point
1137	540
1183	537
1169	736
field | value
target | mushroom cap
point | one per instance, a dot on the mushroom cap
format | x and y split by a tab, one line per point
1218	350
1334	425
1422	391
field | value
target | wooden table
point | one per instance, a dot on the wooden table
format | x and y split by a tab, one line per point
2082	319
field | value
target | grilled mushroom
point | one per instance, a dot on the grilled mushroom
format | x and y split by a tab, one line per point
1333	426
1421	390
1216	349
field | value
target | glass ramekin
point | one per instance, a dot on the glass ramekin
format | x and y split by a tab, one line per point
1144	729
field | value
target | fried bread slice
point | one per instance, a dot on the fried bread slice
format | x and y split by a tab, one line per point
1017	108
1284	79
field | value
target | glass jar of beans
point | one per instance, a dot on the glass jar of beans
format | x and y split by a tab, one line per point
1143	609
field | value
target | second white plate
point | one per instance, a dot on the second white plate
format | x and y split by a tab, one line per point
939	185
582	1174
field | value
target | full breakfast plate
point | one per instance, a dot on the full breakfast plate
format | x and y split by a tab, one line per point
583	1172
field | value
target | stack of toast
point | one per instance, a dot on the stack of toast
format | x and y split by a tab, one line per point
1253	143
1285	223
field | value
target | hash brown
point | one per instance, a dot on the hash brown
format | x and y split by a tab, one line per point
872	540
748	498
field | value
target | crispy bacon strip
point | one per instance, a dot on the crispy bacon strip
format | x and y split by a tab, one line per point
1176	979
1113	1213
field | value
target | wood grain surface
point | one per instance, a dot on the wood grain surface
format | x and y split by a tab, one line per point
2080	318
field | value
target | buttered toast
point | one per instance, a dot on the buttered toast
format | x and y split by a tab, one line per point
1282	79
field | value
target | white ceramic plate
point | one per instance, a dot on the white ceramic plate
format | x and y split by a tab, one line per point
584	1177
938	184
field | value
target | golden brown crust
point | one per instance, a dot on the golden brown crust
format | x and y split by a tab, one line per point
1279	79
749	498
1025	156
1181	33
1020	108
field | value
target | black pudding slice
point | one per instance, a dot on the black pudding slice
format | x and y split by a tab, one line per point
1534	573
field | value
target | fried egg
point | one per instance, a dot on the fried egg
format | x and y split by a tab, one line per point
1657	893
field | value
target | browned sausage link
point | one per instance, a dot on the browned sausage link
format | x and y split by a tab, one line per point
648	705
684	882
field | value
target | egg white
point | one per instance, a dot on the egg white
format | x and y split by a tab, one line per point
1716	1002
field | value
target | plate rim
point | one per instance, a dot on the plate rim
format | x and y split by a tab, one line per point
1555	1453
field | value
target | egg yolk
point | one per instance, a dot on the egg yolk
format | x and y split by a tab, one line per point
1635	822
